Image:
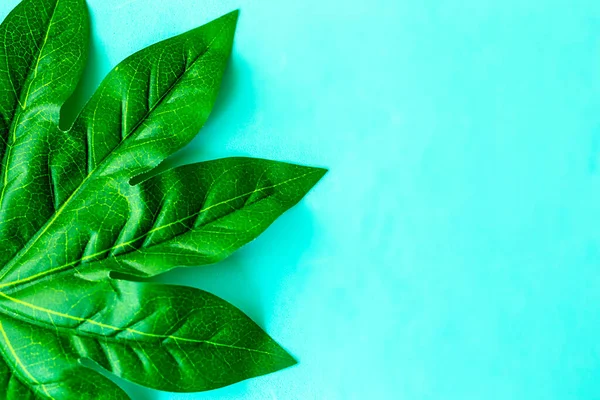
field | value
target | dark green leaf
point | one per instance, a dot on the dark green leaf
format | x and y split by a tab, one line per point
74	223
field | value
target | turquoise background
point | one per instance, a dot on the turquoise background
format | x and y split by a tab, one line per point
453	250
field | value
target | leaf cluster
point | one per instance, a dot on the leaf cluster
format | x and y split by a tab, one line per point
78	236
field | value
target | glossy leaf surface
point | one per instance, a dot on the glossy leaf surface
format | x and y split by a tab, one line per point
74	223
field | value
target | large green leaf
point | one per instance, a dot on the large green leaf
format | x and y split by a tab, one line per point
76	224
42	55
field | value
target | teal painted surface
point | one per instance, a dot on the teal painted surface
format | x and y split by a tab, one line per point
453	252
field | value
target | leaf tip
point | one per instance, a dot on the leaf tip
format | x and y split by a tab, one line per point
321	172
286	360
231	17
291	361
318	173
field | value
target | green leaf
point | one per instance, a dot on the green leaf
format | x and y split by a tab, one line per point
80	226
42	55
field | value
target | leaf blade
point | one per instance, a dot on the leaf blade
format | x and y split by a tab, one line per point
183	339
220	219
153	102
53	47
202	231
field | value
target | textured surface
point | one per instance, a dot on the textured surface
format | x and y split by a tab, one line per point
452	250
81	225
